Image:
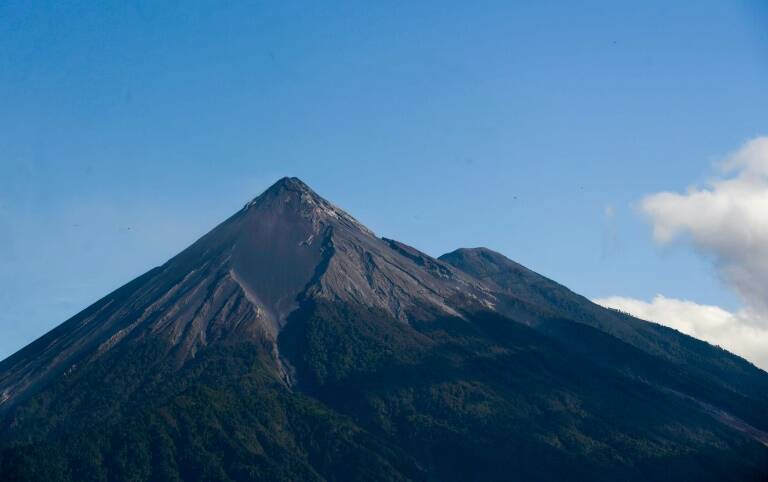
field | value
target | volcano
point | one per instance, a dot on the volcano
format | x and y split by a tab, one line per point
292	343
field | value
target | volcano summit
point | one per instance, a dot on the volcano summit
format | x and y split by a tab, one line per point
291	343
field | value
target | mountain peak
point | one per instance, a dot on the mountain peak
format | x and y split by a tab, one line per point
492	267
292	194
285	186
291	183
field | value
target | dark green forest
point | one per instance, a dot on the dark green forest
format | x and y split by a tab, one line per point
483	398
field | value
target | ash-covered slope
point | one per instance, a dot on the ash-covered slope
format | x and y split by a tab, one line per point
290	343
240	281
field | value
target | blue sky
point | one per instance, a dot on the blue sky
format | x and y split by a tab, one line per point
131	128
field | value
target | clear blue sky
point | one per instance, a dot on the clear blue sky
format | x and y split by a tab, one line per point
128	129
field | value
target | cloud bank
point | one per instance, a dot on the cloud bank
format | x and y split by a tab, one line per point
736	332
727	222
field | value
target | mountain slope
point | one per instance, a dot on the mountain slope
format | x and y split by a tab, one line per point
524	295
519	286
241	280
291	343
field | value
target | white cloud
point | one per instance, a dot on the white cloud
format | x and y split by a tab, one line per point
736	332
727	222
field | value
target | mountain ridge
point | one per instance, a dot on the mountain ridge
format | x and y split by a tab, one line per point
290	328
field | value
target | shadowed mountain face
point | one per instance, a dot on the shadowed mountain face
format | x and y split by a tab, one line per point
291	343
